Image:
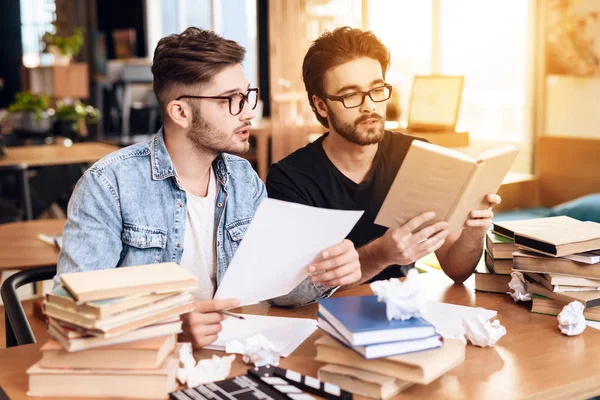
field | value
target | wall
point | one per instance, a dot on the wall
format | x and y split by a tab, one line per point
572	106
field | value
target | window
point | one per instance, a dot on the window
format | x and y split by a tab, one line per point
36	19
482	40
233	19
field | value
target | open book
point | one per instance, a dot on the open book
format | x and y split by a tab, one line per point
435	178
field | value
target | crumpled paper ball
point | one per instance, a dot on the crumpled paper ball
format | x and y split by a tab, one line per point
205	371
480	332
403	299
519	286
571	321
256	349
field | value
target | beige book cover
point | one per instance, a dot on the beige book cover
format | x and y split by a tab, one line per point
571	280
362	382
141	354
102	308
127	281
92	342
421	367
528	226
498	266
558	241
544	305
533	262
435	178
88	321
487	281
589	298
132	383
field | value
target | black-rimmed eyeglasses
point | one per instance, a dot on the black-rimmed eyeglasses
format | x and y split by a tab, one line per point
237	101
356	99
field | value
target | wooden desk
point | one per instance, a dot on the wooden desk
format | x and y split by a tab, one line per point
533	360
56	154
20	247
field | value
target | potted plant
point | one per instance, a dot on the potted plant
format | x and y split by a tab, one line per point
63	48
31	113
72	118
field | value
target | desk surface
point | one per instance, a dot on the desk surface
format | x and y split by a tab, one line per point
533	360
56	154
20	247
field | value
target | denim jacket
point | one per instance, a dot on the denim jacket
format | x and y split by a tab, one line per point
129	209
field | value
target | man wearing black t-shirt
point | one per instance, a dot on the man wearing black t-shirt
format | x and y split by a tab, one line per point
353	165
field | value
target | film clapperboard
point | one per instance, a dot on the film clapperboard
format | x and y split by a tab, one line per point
265	383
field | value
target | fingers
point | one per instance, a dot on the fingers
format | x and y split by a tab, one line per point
344	280
486	214
494	199
348	256
198	343
196	318
478	223
418	250
430	249
425	233
342	275
216	305
342	247
416	222
201	328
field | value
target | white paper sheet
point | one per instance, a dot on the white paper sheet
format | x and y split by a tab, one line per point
593	324
285	333
448	318
282	240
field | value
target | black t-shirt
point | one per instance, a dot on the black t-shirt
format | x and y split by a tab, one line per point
307	176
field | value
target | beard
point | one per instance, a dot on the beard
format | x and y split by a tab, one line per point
351	132
207	138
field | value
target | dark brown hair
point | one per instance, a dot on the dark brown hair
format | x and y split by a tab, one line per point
335	48
191	57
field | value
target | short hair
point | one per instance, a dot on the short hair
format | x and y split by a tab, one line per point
194	56
342	45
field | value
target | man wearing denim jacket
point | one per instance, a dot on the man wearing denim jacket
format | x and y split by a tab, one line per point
180	197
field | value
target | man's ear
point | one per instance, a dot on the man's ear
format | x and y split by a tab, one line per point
320	106
180	113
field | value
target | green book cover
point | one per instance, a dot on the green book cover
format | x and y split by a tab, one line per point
498	238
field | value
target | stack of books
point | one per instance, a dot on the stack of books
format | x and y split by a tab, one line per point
367	354
560	257
493	274
114	333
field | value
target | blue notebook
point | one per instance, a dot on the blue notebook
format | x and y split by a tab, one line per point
383	349
362	320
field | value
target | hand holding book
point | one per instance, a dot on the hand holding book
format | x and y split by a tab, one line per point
411	241
479	221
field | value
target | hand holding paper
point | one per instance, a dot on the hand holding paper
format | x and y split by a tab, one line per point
201	326
282	240
336	266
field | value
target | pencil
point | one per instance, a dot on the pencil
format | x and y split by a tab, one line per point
229	313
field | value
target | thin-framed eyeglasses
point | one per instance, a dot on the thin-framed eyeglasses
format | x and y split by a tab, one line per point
356	99
237	101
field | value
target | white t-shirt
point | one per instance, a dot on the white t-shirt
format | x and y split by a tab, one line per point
198	243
